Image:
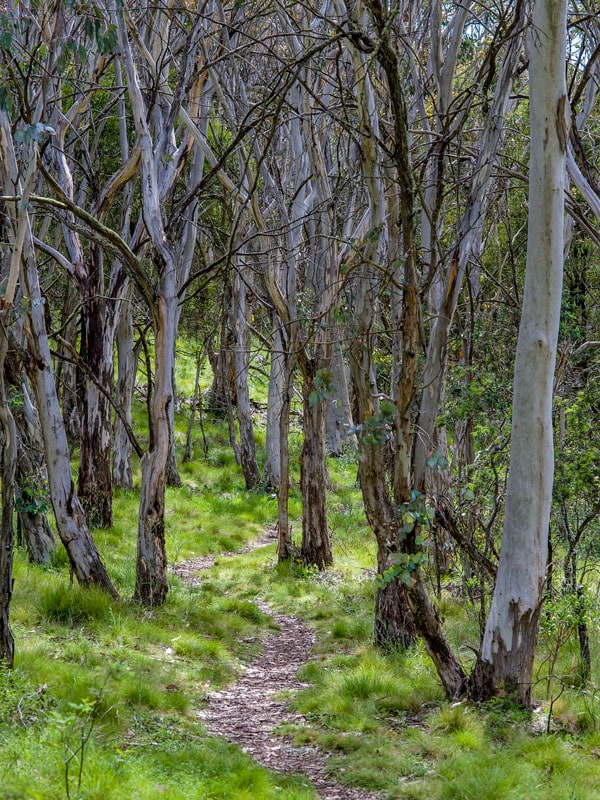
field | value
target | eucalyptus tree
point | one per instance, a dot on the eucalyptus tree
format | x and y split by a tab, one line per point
84	557
153	47
504	659
83	165
290	200
508	647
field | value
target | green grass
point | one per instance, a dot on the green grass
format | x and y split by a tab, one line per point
135	679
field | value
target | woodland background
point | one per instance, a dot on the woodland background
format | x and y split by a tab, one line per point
287	244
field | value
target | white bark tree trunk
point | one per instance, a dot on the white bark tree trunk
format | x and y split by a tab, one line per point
85	560
272	472
508	647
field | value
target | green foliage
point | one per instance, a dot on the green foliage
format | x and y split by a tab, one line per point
376	429
324	388
141	676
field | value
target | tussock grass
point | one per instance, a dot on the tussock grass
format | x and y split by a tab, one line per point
145	674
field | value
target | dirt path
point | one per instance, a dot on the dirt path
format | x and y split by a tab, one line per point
248	712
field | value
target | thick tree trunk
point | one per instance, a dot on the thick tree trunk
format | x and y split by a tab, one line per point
316	545
505	661
393	626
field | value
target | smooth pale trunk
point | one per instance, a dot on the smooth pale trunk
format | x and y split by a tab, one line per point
244	409
338	417
272	473
84	558
126	369
507	652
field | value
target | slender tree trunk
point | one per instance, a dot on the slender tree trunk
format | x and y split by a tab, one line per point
196	399
221	392
273	438
286	549
95	479
9	466
127	359
505	662
338	416
248	460
151	576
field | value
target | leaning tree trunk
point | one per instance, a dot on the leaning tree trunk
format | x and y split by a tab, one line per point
316	545
505	662
84	557
86	564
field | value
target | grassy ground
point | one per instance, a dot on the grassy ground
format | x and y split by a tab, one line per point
102	701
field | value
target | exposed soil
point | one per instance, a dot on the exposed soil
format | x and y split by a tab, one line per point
248	712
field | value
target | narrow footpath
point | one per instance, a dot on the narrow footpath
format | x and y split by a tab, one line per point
247	713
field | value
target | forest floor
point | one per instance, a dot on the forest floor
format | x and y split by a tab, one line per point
250	711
